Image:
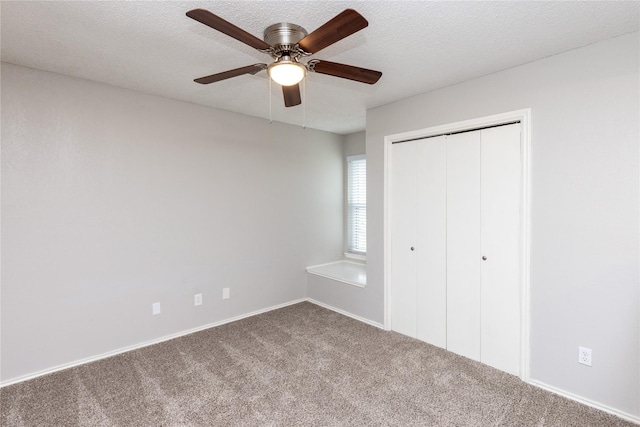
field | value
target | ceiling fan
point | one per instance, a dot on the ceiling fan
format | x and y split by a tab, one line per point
287	44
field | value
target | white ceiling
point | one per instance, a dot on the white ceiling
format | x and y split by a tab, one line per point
419	46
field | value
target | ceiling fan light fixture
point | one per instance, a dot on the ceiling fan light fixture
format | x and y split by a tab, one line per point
286	72
287	43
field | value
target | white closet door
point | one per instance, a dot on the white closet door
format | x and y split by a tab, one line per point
463	244
403	237
431	243
500	272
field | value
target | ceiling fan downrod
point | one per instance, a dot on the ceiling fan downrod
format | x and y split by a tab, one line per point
283	39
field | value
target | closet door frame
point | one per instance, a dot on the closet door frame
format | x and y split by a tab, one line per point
524	117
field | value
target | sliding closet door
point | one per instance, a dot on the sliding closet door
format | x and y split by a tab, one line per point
403	237
431	242
500	274
463	244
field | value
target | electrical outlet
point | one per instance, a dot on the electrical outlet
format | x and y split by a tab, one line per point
584	356
155	308
226	293
197	299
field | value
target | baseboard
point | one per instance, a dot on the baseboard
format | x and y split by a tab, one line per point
144	344
579	399
346	313
628	417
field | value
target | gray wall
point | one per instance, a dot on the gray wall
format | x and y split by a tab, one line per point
337	294
585	216
354	144
113	199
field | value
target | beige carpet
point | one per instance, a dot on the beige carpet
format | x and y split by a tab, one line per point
300	365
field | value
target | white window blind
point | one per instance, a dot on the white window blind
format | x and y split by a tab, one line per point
357	204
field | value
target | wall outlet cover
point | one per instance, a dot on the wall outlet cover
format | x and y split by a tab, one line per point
155	308
584	356
197	299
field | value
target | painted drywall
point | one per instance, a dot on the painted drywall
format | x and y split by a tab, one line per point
331	293
355	144
113	200
584	214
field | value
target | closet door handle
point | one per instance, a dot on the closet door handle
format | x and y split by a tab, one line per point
412	248
484	258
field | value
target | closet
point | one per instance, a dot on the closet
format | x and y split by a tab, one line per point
455	224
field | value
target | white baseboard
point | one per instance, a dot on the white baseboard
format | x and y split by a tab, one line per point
579	399
143	344
346	313
628	417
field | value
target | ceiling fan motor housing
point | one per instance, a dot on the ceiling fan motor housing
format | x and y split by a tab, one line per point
283	38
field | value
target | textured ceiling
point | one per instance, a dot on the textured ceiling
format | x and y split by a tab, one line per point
419	46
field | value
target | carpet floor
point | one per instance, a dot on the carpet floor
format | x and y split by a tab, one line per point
301	365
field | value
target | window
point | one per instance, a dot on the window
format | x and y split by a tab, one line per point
357	205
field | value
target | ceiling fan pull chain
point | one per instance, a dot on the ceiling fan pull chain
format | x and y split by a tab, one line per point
270	116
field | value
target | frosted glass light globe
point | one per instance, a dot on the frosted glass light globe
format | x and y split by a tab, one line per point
286	73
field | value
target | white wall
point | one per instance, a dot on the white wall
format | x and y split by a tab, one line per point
113	199
585	209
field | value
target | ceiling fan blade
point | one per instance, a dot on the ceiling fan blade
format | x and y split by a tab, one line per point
249	69
341	26
291	95
217	23
350	72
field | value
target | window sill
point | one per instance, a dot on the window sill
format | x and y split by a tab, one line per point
351	273
359	257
